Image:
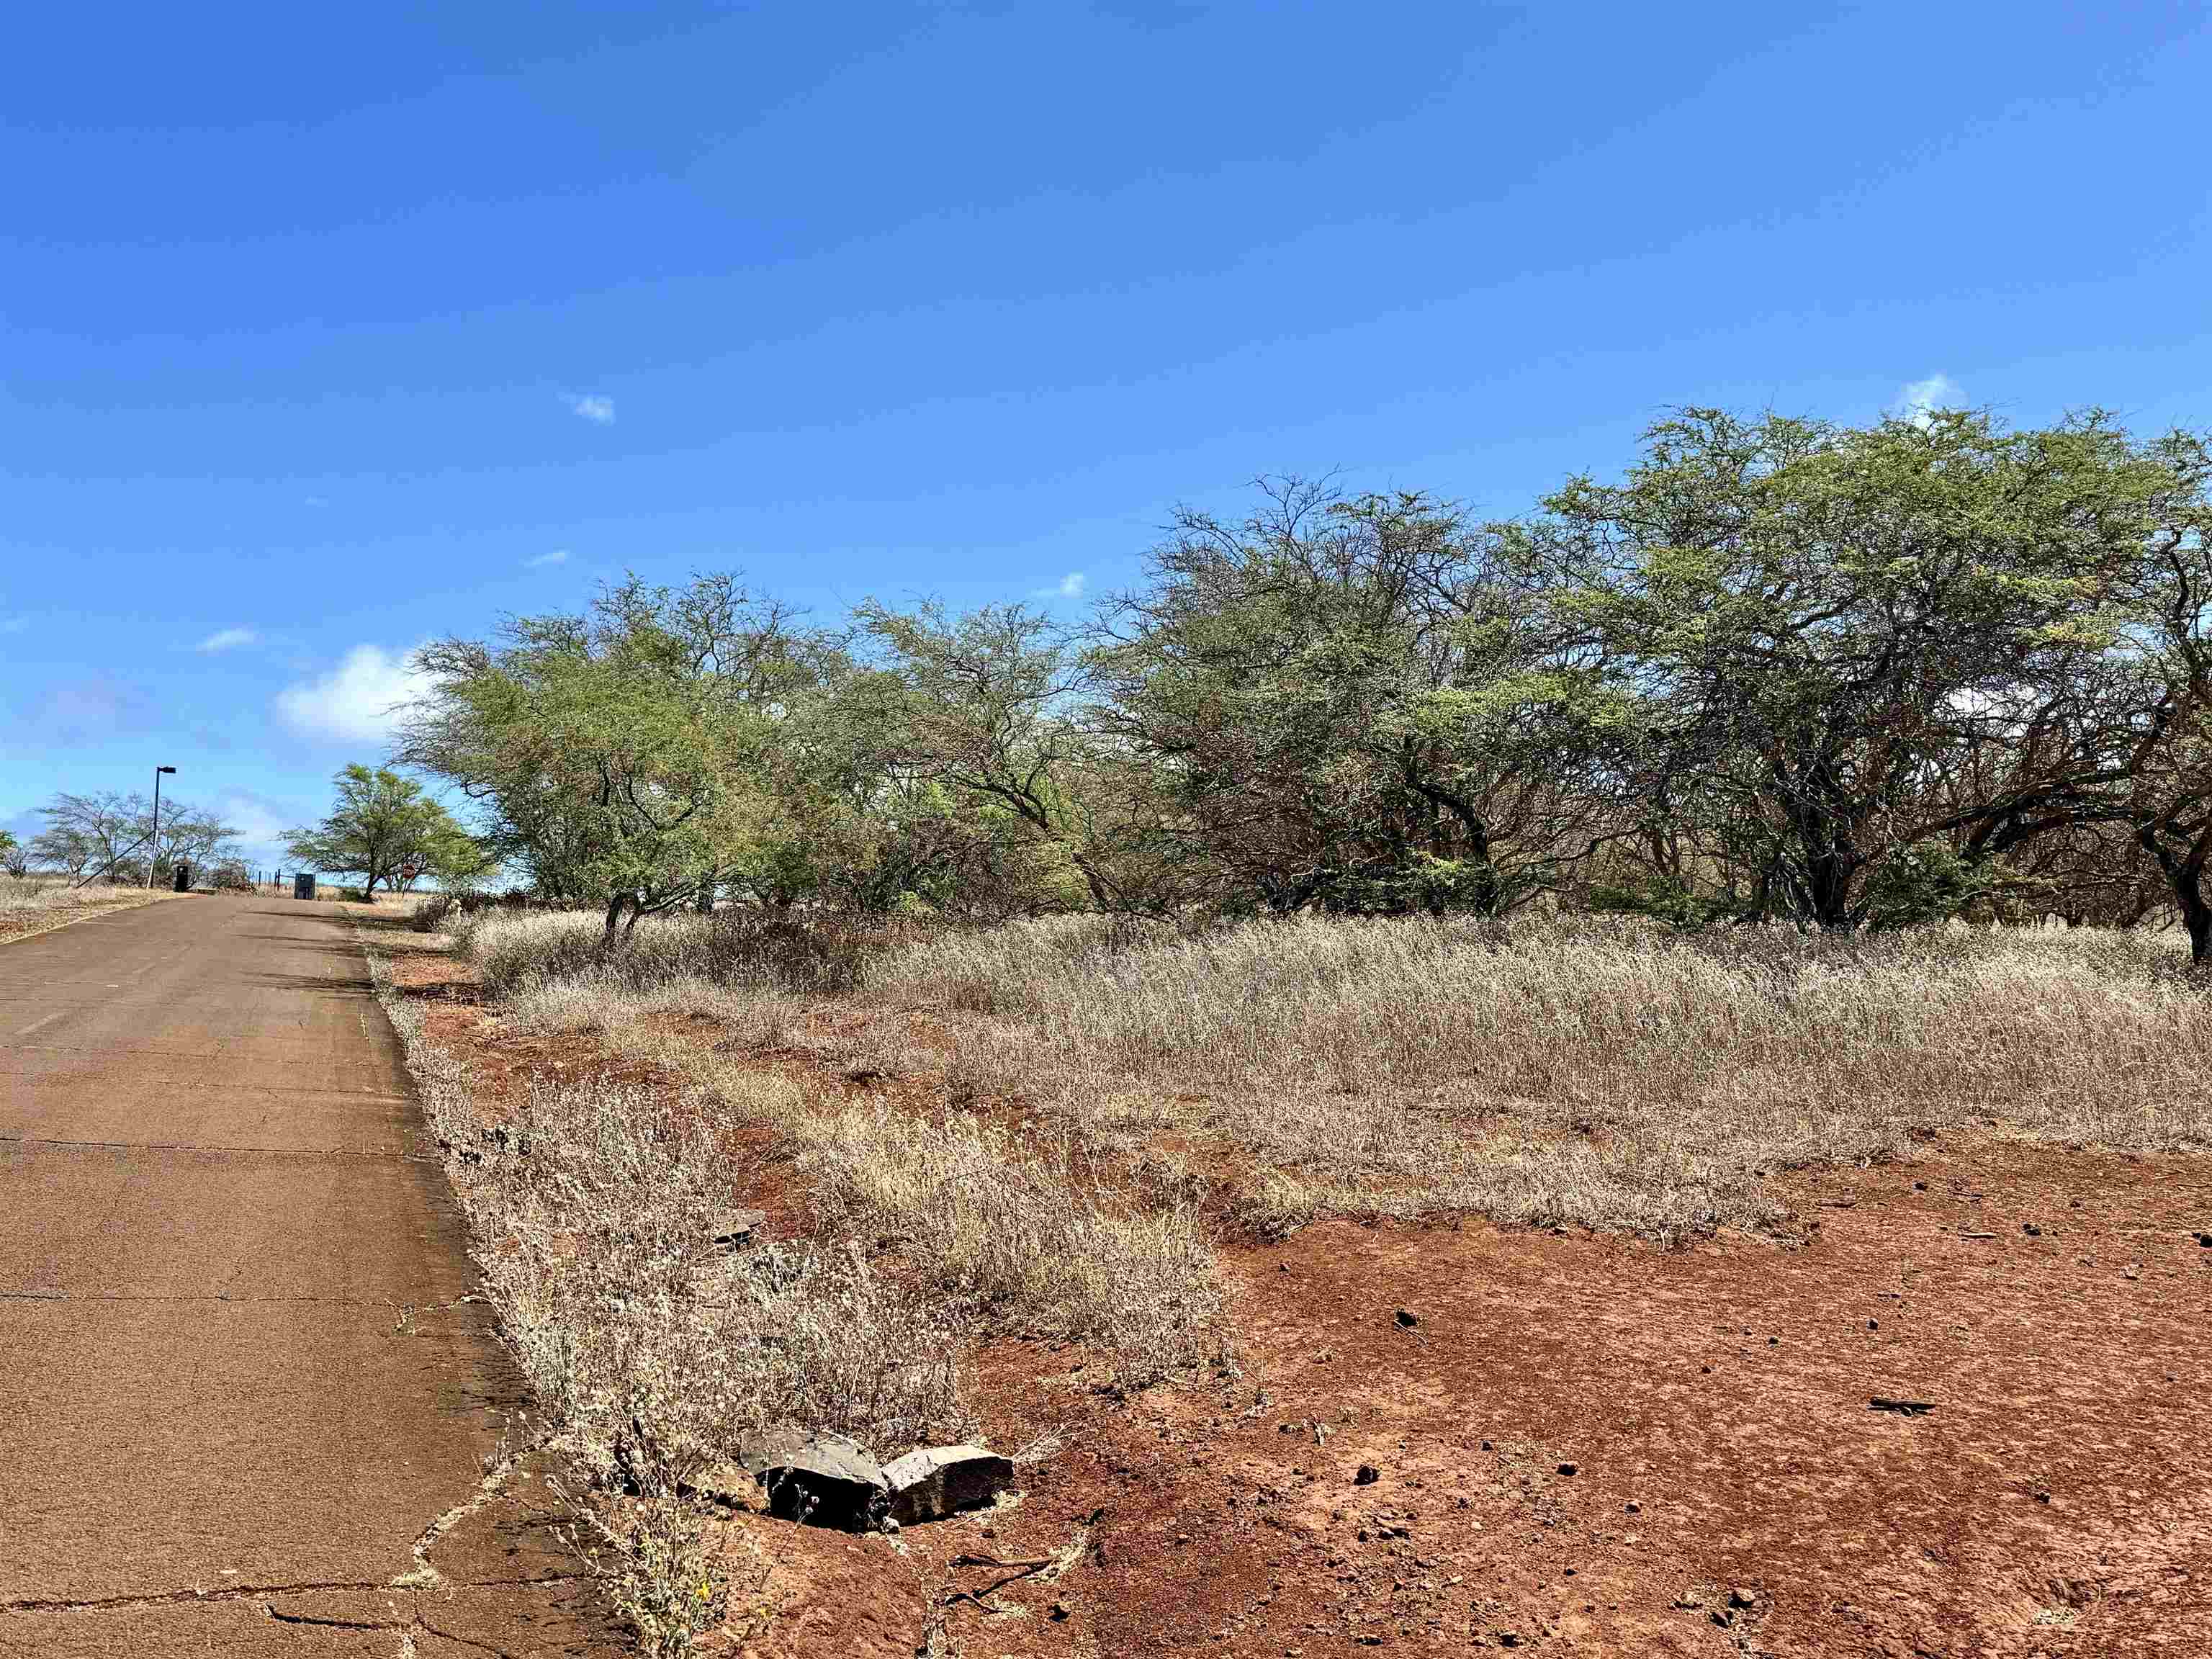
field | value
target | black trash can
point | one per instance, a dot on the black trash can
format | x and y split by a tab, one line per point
303	886
184	877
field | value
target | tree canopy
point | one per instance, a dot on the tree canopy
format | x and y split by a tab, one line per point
1778	670
385	828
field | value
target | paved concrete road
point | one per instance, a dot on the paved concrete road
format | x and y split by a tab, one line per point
241	1397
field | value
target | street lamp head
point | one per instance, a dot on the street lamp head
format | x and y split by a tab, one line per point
165	769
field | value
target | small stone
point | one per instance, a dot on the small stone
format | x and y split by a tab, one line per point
1407	1319
2030	1229
1569	1469
1632	1507
1741	1598
2205	1241
1874	1324
1059	1612
1366	1475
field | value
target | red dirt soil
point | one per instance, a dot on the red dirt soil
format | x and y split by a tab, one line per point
1589	1444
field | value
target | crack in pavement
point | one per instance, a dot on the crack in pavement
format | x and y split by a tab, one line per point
280	1301
252	1592
493	1484
189	1147
184	1597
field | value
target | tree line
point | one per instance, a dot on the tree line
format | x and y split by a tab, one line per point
1779	671
113	837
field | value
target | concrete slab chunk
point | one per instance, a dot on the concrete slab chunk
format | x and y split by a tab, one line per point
826	1480
936	1481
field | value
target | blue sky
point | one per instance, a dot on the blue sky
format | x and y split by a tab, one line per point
325	331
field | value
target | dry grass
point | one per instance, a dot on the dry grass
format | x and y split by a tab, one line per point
1022	1233
51	893
34	904
653	1354
1597	1076
1600	1076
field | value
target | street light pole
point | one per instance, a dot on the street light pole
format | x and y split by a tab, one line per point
154	849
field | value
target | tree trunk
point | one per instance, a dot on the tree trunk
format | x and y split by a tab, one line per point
2196	916
614	917
2185	874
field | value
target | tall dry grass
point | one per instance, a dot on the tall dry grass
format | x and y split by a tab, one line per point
41	893
1603	1075
1014	1230
1600	1075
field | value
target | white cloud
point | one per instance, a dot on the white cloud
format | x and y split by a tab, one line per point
558	556
15	625
591	406
259	821
1069	587
360	701
1922	399
227	639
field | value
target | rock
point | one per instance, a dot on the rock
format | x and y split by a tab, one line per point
1366	1475
825	1481
734	1229
1407	1319
936	1481
1739	1598
2205	1240
1569	1469
2030	1229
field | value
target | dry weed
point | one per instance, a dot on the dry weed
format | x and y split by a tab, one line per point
1550	1074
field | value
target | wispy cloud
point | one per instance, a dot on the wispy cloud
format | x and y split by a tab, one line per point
259	820
558	556
227	639
591	406
15	625
361	701
1922	399
1069	587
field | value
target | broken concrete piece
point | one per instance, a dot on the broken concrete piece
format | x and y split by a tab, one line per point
825	1481
734	1229
935	1481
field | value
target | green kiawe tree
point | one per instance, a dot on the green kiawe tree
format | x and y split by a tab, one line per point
1849	644
620	756
1361	705
383	828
